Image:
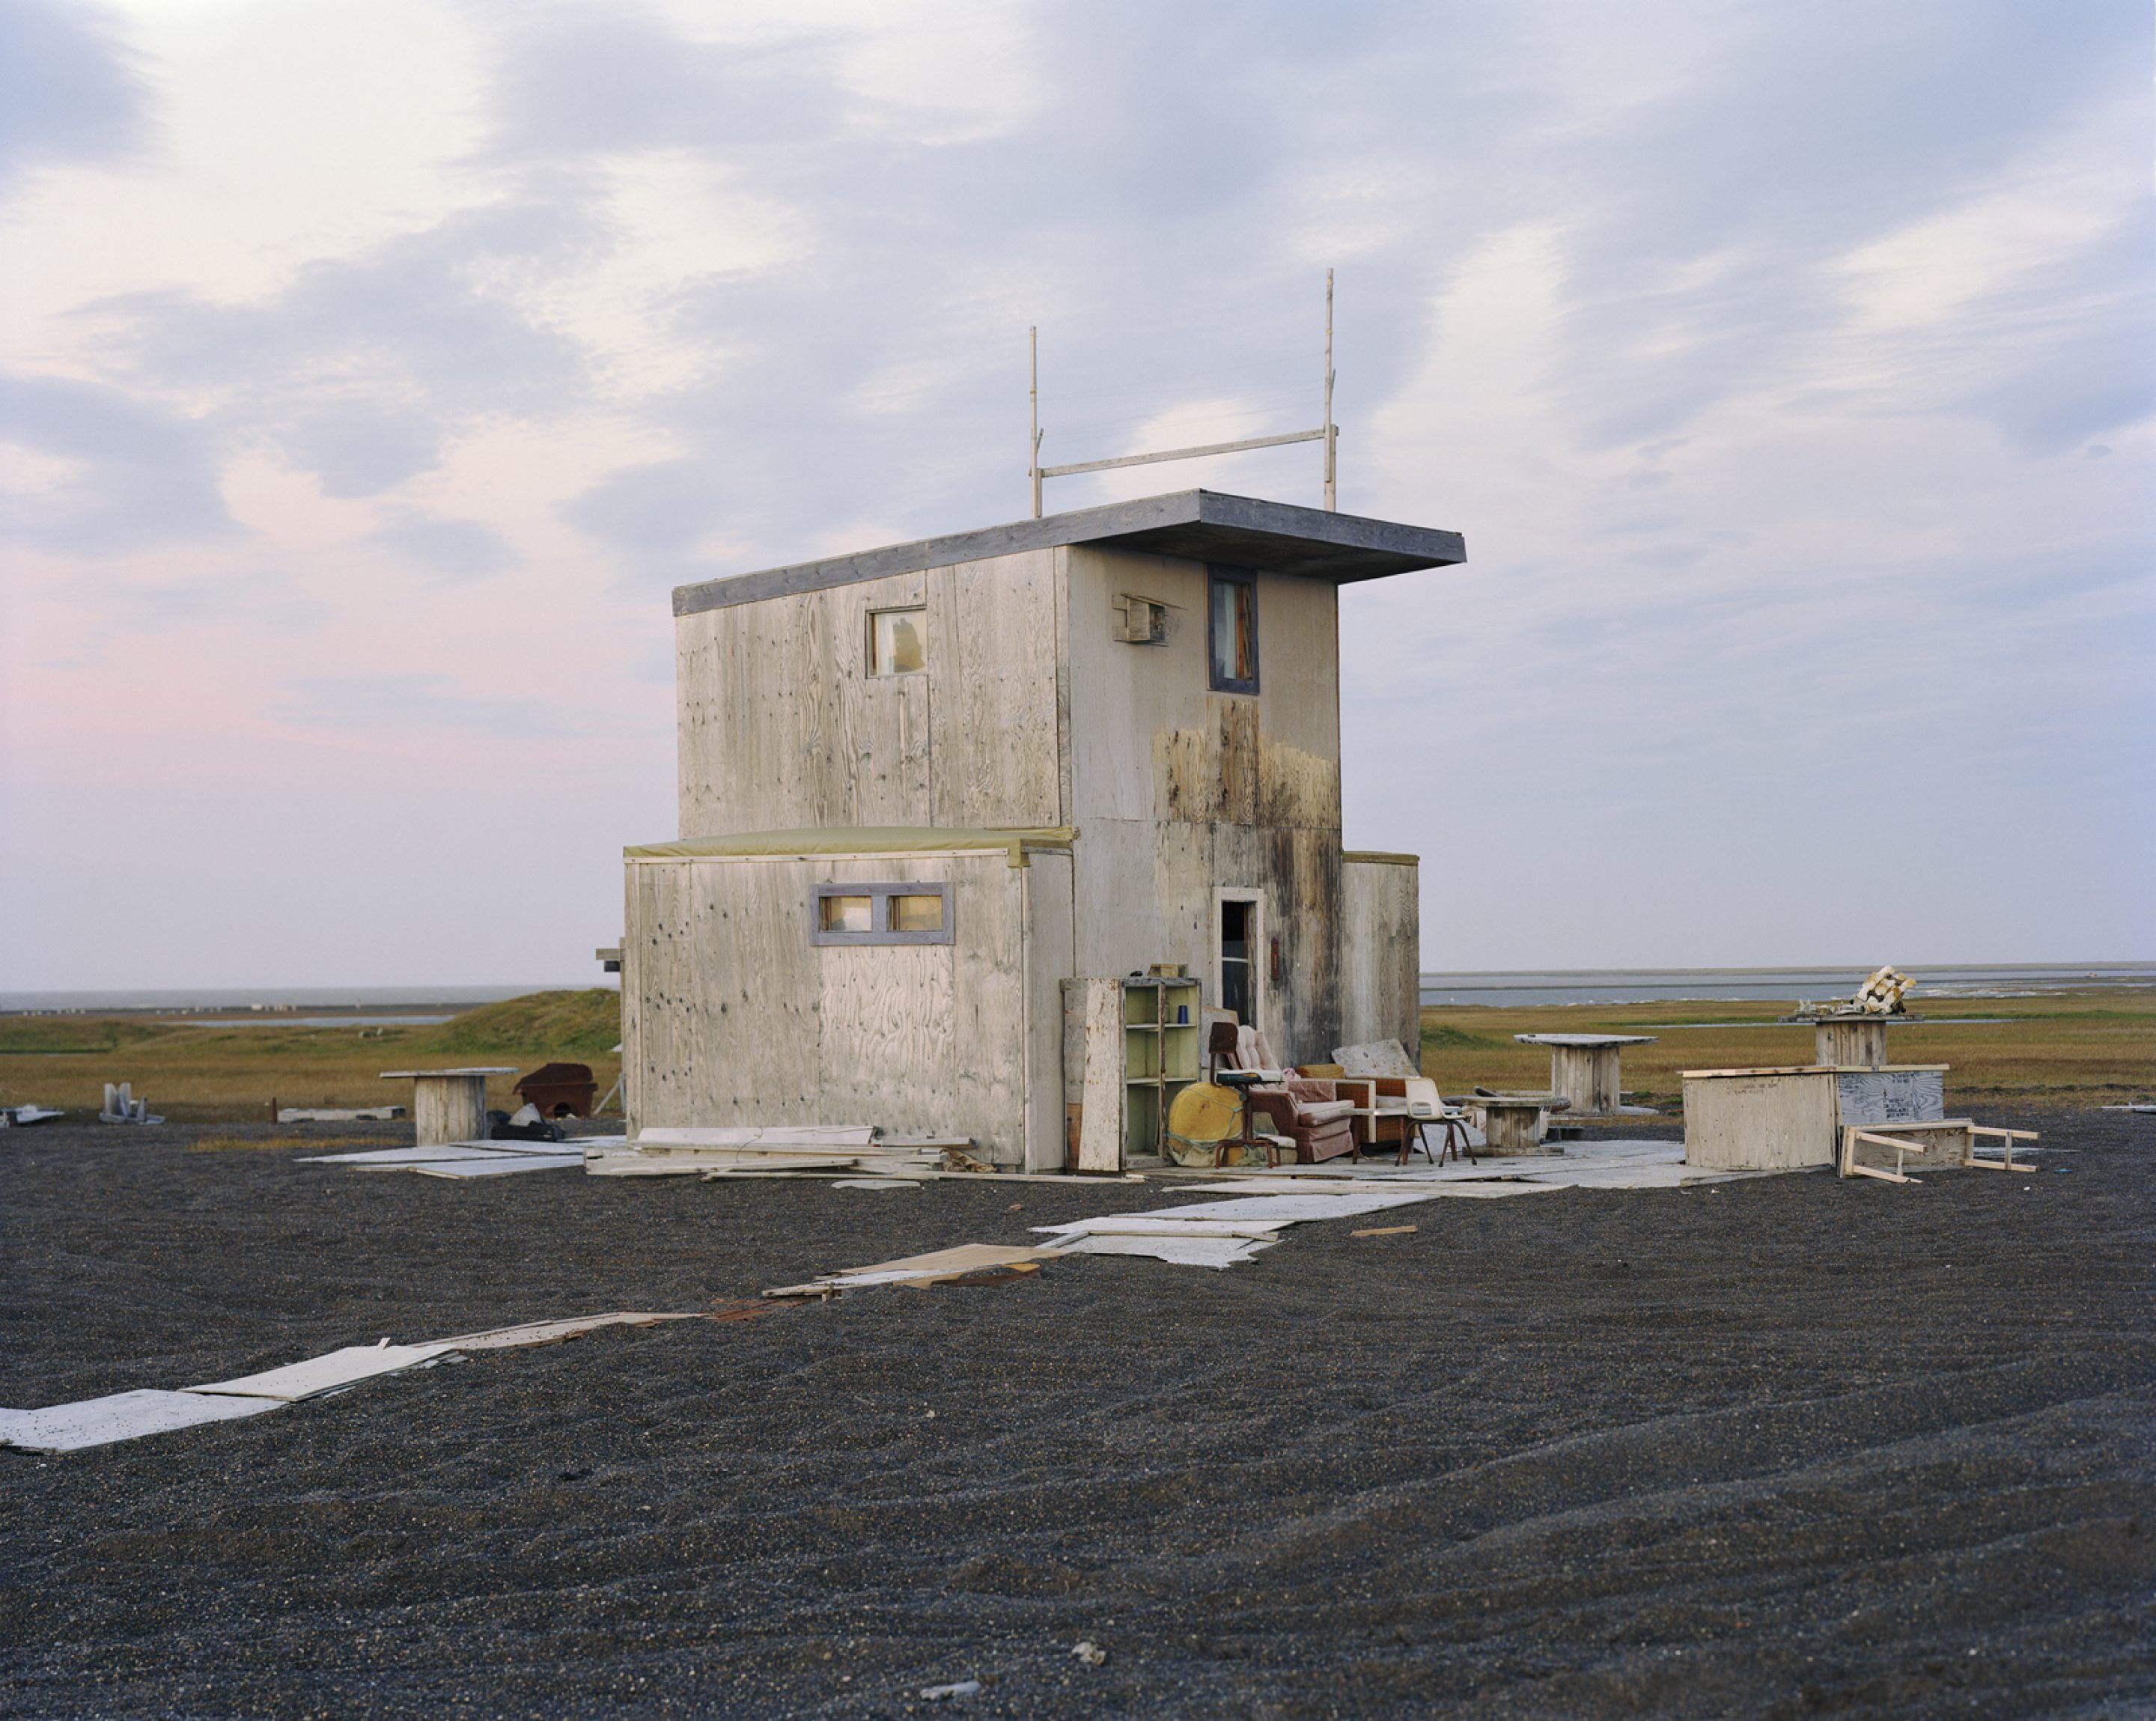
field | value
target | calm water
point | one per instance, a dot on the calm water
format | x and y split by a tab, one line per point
412	1004
1651	985
399	1003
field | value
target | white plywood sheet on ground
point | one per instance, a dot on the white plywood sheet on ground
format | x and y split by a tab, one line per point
503	1167
122	1416
1460	1190
347	1367
1202	1251
553	1332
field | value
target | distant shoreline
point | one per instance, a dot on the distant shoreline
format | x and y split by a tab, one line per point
1705	985
1493	987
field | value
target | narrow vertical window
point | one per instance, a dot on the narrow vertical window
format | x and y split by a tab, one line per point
898	642
1231	629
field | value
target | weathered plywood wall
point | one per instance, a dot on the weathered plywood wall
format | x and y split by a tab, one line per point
1178	792
1381	950
780	726
730	1016
1763	1121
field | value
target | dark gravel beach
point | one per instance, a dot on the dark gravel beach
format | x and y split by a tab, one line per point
1785	1447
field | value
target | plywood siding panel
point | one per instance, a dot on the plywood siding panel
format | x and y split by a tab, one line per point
1050	958
777	725
884	720
1122	696
993	671
1380	954
989	1003
1759	1123
887	1032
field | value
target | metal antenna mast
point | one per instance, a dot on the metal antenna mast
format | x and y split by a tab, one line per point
1331	429
1033	443
1327	433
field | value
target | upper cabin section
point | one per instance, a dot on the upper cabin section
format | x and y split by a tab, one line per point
1173	658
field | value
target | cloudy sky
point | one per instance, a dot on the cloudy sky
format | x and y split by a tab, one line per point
369	372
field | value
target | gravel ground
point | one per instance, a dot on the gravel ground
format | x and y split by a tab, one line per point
1785	1447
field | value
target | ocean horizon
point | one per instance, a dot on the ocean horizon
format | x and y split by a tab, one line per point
1489	987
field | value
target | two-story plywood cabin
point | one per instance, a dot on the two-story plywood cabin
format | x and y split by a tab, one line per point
922	786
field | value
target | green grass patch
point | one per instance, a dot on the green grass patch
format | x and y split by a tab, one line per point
1444	1037
54	1036
554	1024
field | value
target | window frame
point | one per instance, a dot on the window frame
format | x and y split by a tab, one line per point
1215	578
880	928
869	659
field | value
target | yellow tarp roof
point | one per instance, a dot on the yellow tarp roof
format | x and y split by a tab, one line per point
856	840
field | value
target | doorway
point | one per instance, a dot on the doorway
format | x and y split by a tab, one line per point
1238	930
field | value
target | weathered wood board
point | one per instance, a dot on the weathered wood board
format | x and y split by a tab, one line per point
1765	1122
1912	1094
1094	1017
1380	949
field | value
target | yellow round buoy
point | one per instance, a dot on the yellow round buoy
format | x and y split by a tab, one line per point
1203	1115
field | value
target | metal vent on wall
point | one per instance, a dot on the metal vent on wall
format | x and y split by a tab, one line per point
1140	621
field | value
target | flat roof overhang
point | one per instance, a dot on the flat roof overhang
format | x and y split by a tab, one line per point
1197	524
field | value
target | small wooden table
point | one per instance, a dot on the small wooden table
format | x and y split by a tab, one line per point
448	1105
1584	1068
1516	1122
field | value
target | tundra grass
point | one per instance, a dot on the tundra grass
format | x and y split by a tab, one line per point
223	1075
2082	1048
2068	1048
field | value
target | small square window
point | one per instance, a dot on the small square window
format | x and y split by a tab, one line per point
848	914
882	914
1231	631
898	642
916	914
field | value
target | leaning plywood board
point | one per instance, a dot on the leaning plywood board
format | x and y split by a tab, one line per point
1101	1123
347	1367
1914	1093
1766	1120
1380	1057
123	1416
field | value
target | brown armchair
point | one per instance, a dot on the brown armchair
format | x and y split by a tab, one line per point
1309	1114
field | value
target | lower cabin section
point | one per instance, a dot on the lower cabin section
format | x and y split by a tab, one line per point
914	978
880	985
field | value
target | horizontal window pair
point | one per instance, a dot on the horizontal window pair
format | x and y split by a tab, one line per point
882	914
